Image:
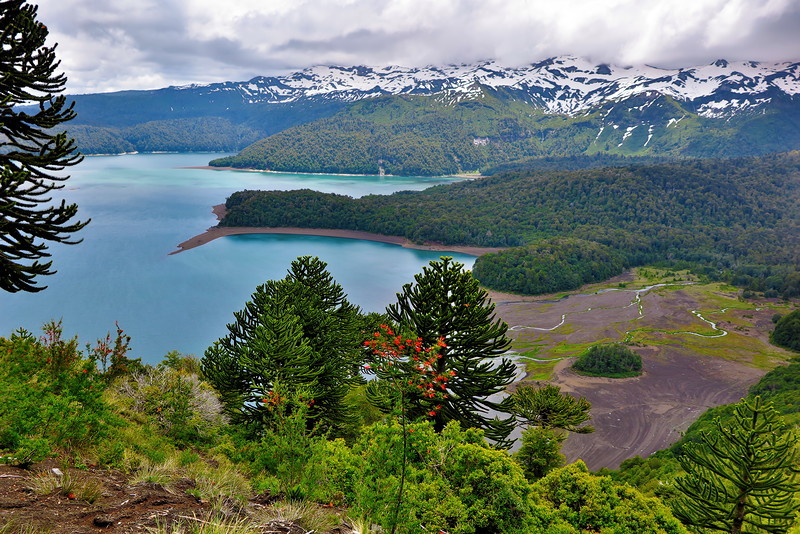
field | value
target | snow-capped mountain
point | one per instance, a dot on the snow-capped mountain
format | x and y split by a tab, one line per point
561	106
563	85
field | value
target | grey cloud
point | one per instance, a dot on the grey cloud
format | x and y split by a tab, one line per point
126	44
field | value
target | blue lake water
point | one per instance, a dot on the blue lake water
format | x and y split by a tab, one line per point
143	205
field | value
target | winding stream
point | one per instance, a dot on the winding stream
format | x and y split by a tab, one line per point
635	301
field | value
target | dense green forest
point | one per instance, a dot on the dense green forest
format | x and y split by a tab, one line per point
490	130
729	219
787	331
613	360
547	266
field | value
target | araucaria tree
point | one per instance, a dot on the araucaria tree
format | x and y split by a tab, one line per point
298	335
30	151
742	477
446	307
548	414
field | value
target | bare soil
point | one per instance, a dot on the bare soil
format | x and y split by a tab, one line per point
684	375
123	508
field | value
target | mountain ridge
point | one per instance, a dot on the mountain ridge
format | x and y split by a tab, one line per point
570	105
559	84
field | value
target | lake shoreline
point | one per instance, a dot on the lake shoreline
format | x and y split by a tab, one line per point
216	232
213	168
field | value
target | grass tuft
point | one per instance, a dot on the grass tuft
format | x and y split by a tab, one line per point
85	489
308	515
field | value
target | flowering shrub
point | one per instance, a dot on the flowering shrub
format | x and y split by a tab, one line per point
111	357
410	372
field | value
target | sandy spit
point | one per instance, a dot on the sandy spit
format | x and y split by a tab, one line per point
218	231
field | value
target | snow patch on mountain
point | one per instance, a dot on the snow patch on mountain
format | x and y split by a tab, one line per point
564	85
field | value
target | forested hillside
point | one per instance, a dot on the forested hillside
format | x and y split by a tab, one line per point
486	129
722	215
174	120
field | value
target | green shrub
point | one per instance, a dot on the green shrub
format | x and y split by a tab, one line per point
787	331
285	446
611	360
454	481
182	406
333	472
590	503
540	452
50	396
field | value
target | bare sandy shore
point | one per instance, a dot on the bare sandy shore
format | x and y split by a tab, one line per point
218	231
212	168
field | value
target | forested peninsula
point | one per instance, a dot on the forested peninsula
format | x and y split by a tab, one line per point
735	218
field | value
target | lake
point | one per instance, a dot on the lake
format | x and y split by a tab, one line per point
143	205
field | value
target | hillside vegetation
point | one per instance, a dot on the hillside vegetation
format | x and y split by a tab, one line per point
224	429
172	442
736	219
490	128
170	120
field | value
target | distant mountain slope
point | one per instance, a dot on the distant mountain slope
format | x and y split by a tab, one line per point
454	132
604	108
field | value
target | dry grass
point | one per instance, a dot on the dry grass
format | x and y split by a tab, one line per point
82	488
308	515
211	525
13	527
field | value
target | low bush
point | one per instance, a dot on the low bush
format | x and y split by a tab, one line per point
51	397
611	360
182	406
787	331
589	503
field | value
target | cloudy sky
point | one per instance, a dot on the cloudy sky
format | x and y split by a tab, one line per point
108	45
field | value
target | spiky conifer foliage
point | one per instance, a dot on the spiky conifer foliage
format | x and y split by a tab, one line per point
546	407
549	415
299	334
30	151
446	302
743	477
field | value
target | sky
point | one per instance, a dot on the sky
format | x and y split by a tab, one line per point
112	45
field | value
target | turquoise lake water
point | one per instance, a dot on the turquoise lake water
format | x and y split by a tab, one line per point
143	205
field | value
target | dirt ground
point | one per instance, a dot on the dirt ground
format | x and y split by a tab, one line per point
684	374
638	416
122	508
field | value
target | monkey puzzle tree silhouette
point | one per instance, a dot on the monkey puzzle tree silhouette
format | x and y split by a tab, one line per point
30	151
